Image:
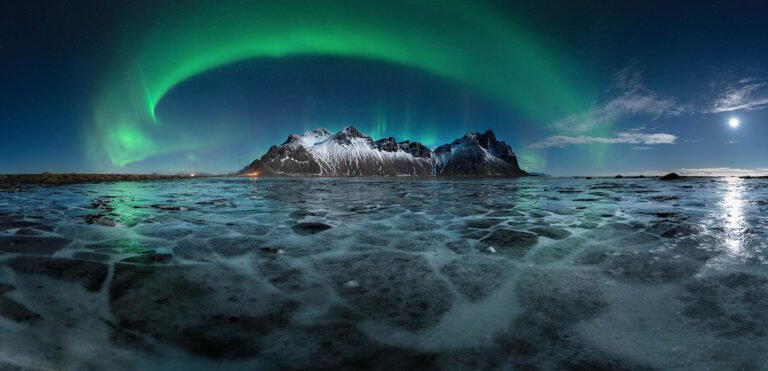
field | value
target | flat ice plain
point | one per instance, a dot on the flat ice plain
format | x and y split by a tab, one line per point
529	273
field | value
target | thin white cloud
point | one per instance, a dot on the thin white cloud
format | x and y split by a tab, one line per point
722	171
630	97
620	138
713	171
742	97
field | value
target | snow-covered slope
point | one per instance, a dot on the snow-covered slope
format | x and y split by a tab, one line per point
350	153
309	138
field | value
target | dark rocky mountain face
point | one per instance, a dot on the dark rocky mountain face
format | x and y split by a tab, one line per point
416	149
351	153
479	155
387	144
292	159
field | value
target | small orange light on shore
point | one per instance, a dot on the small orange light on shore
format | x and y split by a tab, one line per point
255	173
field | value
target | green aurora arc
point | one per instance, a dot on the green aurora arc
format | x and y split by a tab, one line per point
465	42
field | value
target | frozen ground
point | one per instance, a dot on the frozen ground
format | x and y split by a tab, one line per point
386	274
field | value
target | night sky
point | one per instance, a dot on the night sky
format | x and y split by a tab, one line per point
576	87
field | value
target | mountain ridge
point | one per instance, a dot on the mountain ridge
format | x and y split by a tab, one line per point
349	152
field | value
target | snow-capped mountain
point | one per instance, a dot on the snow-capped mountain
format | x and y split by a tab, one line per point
350	153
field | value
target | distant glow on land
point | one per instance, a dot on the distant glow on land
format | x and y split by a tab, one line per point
734	122
464	42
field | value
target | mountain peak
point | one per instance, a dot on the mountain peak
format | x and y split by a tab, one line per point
490	135
351	153
486	138
319	132
309	138
348	135
351	131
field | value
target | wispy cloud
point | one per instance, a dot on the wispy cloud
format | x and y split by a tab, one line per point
711	171
628	97
744	96
722	171
620	138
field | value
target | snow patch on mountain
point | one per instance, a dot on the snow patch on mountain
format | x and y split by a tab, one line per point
350	153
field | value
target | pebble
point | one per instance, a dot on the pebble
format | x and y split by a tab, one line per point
272	250
351	284
100	220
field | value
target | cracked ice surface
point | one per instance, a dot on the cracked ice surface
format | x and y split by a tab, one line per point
386	274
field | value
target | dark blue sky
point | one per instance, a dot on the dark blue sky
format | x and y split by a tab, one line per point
634	87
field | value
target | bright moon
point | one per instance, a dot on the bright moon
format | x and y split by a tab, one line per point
734	122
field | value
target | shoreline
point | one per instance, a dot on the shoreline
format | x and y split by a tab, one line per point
9	181
16	180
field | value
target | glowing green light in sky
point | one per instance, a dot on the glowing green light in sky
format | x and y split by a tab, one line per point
462	41
531	160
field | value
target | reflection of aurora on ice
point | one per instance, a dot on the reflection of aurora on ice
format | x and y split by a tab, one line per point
214	273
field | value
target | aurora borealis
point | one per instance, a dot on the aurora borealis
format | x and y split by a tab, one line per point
383	184
175	86
407	33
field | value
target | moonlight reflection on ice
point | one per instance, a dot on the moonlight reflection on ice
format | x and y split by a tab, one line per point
266	273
